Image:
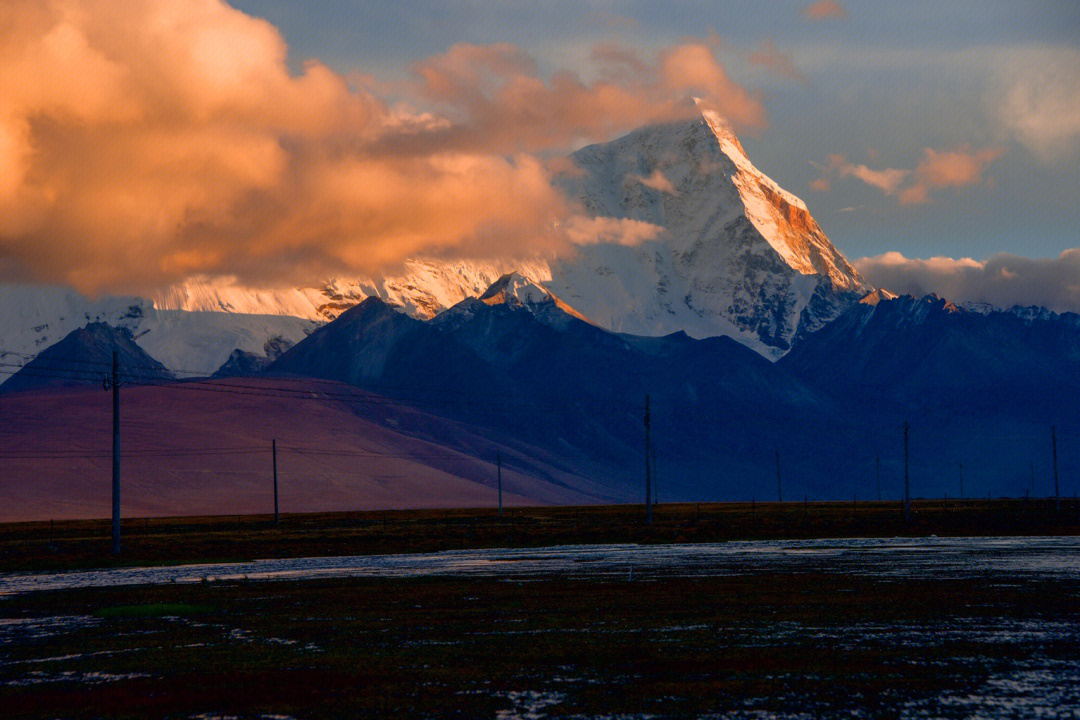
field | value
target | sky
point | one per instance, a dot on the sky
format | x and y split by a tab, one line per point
938	145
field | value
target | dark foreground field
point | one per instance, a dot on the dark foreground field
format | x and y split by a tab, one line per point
789	629
153	541
812	640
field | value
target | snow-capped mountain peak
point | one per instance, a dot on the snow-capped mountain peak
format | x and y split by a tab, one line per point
740	256
878	296
782	218
516	289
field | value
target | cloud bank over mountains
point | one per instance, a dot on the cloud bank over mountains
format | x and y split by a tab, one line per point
1003	280
145	142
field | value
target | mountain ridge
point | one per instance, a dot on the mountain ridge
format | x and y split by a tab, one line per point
568	396
83	357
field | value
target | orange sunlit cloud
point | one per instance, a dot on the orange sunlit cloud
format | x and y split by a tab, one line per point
824	10
938	169
768	56
144	142
499	102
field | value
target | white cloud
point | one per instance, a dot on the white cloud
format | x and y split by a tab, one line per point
658	181
1002	279
1041	106
610	231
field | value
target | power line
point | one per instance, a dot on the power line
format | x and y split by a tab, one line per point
362	394
65	455
202	452
75	367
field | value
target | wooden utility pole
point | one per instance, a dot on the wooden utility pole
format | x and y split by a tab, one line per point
498	477
277	517
779	487
655	484
1057	488
648	466
907	476
961	470
114	384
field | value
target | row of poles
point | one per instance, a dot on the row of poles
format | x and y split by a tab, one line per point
650	460
112	382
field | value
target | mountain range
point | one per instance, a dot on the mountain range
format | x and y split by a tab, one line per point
563	400
733	254
771	366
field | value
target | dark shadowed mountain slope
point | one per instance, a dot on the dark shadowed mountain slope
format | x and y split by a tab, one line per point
540	374
242	363
928	353
84	357
374	346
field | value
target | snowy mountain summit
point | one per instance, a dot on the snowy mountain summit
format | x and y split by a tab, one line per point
739	256
515	289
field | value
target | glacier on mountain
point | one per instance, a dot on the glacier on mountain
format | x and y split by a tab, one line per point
193	343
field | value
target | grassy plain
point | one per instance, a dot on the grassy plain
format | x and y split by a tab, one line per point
155	541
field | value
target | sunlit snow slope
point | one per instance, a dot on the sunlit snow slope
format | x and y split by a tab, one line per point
740	256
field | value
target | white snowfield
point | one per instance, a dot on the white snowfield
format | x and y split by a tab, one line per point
738	256
196	343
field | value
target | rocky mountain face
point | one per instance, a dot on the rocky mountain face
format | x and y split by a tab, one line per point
987	390
981	389
242	363
513	368
514	362
929	353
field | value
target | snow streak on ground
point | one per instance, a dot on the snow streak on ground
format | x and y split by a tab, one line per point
996	559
